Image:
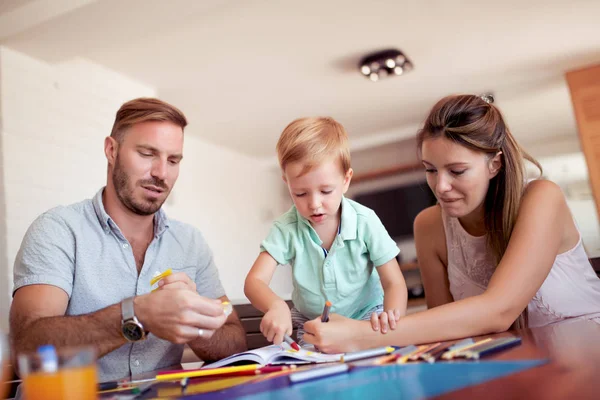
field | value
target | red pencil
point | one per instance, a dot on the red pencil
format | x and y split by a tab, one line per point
291	342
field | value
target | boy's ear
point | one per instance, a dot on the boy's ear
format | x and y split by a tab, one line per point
495	164
347	179
284	178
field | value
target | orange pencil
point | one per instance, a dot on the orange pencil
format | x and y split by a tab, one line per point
427	349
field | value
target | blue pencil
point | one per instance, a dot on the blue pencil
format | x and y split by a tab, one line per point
494	346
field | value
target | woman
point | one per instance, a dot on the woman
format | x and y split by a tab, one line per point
494	251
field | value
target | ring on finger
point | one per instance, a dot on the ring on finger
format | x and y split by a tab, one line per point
200	332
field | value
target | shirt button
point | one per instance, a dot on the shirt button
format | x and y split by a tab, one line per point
125	246
137	363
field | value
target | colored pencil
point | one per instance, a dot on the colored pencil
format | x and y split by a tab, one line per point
291	342
434	354
406	357
395	355
359	355
428	348
206	372
317	373
325	315
453	353
492	347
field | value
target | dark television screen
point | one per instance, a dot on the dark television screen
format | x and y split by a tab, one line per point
398	207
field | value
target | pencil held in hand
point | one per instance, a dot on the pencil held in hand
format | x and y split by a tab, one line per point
325	315
291	342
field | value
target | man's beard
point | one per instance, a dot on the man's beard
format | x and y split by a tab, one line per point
124	192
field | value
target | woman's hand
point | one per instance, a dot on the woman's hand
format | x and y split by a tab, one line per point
339	335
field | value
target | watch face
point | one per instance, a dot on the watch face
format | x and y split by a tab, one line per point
132	331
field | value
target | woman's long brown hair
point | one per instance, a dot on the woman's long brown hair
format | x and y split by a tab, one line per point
478	125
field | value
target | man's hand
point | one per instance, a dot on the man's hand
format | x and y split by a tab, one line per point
179	315
178	280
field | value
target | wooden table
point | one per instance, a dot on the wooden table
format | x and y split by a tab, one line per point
573	348
573	372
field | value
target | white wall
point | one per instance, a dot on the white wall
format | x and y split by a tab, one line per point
570	172
54	120
233	200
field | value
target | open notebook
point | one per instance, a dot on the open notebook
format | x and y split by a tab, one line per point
276	354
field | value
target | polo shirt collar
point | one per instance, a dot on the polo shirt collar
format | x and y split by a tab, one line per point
161	222
349	220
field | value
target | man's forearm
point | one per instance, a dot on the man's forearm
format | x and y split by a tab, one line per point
227	340
101	329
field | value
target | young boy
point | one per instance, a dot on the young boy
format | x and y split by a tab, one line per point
332	243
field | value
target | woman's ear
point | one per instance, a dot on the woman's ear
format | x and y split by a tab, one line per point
495	164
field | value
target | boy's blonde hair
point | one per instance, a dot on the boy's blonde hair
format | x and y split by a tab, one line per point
311	141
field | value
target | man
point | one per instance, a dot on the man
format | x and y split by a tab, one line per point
82	275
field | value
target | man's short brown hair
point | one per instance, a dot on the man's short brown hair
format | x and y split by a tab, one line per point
145	109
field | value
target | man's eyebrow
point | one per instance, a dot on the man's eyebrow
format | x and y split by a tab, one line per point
177	156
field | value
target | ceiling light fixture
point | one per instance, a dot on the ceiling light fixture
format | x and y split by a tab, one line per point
381	64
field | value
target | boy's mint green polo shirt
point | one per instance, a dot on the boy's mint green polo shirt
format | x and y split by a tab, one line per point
345	276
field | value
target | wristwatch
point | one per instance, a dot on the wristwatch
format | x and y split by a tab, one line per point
131	328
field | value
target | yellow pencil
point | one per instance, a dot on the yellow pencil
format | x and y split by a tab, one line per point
207	372
453	353
404	359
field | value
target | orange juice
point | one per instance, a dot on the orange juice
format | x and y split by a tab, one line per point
75	383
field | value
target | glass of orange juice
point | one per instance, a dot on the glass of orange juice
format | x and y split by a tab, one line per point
4	368
59	375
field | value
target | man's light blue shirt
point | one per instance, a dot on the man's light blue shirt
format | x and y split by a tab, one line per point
80	249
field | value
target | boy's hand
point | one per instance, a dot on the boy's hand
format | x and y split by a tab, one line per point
277	322
385	320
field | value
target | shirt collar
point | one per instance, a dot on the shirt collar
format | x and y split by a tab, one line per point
349	220
161	222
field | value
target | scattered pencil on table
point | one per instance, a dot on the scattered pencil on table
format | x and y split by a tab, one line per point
325	315
317	373
206	372
404	359
122	384
492	347
416	355
274	368
184	383
395	355
453	353
359	355
291	342
436	353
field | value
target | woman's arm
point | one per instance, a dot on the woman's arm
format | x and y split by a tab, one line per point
430	241
544	229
